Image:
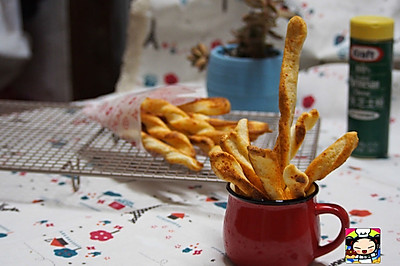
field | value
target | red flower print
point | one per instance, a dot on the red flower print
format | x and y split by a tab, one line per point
100	235
308	101
109	110
135	114
116	205
132	100
360	213
170	78
197	252
125	122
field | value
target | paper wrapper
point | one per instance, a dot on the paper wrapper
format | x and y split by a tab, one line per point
120	113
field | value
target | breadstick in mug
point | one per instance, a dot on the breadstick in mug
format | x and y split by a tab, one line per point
332	157
304	123
295	36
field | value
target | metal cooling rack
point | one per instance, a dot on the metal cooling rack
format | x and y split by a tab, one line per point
57	138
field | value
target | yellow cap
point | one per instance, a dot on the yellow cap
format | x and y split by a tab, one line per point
371	28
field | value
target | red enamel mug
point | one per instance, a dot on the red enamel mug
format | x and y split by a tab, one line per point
278	232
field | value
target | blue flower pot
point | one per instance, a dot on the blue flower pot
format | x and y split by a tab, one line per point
249	84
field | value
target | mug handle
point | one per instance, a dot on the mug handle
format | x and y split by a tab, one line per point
323	208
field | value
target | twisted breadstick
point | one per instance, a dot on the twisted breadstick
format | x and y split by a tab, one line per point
170	131
204	143
180	120
256	128
158	129
170	154
208	106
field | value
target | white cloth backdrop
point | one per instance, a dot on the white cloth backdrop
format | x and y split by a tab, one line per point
161	33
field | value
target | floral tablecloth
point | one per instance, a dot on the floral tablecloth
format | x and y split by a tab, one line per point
115	222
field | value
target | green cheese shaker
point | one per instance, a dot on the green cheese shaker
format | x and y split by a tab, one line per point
370	83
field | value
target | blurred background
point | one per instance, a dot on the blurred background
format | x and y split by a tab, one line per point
69	50
60	50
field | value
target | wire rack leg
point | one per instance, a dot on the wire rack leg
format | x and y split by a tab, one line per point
76	182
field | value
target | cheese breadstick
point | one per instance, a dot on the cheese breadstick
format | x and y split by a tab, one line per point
331	158
295	36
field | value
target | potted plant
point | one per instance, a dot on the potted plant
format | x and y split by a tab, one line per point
247	70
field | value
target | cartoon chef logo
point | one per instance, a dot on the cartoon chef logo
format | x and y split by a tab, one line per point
363	245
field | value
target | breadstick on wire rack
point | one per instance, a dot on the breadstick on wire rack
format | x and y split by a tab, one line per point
178	119
208	106
171	131
170	154
256	128
204	143
155	127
